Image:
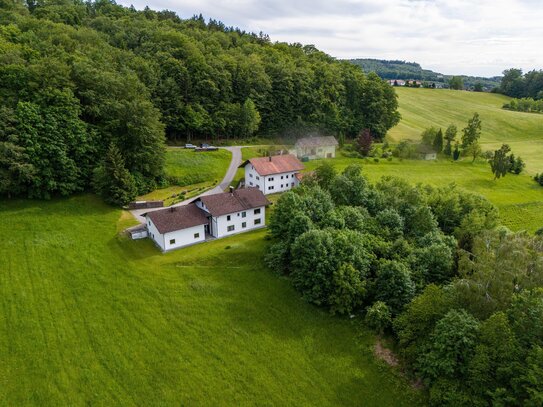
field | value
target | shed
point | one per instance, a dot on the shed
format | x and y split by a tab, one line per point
426	152
316	147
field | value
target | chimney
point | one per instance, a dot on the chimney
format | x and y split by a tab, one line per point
269	157
231	189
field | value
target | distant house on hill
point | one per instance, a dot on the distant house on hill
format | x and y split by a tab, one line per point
426	152
316	147
396	82
272	174
209	216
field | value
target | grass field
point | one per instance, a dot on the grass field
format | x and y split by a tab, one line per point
518	197
422	108
193	172
90	318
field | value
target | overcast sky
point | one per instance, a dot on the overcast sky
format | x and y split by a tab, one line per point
473	37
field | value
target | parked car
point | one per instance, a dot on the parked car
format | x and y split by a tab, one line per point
188	145
205	145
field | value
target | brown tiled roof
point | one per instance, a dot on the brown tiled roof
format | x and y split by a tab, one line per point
236	201
317	141
276	164
177	218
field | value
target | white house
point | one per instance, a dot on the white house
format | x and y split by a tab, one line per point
316	147
272	174
209	216
177	226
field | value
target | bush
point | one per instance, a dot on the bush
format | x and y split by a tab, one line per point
378	317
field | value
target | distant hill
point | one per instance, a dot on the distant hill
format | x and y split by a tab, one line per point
411	70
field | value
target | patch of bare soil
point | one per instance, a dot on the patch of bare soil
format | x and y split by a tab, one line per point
385	354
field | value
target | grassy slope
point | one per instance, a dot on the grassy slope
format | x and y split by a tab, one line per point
421	108
87	317
195	172
193	168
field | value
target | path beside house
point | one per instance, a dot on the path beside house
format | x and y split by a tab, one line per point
225	183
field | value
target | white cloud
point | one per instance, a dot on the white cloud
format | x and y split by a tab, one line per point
480	37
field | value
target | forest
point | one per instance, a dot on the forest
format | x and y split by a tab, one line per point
82	80
429	267
521	85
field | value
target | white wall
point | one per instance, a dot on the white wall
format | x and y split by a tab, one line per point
270	184
155	234
220	224
319	152
252	178
184	237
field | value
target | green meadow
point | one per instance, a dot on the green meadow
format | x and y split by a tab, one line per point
422	108
89	317
191	172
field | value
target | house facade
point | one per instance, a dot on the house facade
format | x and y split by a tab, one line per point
234	212
210	216
176	227
316	147
272	174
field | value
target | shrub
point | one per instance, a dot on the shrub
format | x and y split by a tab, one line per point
378	317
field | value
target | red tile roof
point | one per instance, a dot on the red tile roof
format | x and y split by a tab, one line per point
277	164
177	218
236	201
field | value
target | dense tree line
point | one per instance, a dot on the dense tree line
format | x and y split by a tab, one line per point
525	105
428	266
77	76
518	85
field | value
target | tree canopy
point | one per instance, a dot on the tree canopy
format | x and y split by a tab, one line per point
77	76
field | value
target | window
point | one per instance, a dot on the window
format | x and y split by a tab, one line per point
228	217
196	235
172	241
257	177
257	221
244	224
257	211
250	175
281	177
251	183
270	187
258	186
270	179
149	222
230	228
243	214
292	175
292	184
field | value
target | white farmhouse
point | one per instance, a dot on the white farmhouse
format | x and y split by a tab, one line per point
233	212
177	226
316	147
272	174
210	216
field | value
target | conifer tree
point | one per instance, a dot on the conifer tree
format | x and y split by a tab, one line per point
438	142
112	181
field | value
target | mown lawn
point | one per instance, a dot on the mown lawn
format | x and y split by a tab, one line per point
190	167
89	318
518	197
190	172
421	108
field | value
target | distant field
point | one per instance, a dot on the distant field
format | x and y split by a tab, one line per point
421	108
89	318
518	197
